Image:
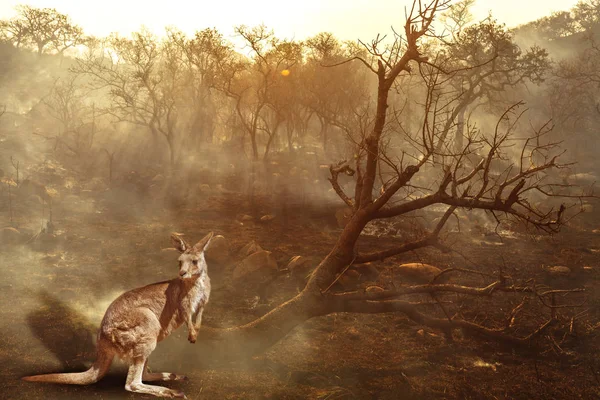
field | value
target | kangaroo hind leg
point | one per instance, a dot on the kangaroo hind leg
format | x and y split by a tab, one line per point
134	382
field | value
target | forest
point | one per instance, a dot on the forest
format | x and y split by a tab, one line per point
412	216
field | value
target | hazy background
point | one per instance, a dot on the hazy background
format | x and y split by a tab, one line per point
349	20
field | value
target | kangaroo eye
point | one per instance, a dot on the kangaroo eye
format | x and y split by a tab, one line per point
195	262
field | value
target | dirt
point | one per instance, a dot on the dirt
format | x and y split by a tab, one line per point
53	296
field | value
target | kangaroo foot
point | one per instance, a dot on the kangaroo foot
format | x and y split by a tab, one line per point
158	391
162	376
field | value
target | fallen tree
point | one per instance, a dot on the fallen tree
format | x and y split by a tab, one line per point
475	177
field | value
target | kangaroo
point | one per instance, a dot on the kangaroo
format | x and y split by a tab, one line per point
137	320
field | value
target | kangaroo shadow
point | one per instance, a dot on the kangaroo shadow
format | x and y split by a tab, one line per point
65	332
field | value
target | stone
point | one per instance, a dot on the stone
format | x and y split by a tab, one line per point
418	273
374	289
250	248
158	178
267	218
258	266
299	268
296	262
353	333
349	279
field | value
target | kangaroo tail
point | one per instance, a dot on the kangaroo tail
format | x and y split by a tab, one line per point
92	375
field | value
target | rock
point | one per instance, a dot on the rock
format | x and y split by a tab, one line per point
296	262
342	216
299	268
258	266
218	250
374	289
158	178
353	333
558	270
250	248
418	273
267	218
349	279
205	188
9	236
245	217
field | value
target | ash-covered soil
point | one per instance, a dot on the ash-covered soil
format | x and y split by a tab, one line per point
54	293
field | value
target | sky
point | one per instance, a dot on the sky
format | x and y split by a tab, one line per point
347	19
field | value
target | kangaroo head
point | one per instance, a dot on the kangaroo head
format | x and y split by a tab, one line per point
191	260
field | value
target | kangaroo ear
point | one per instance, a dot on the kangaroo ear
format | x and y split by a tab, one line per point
179	243
203	243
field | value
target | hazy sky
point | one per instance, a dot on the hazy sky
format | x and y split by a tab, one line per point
348	19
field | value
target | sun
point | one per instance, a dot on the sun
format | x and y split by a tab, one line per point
285	72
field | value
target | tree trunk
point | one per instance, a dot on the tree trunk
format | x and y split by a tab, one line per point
257	336
324	134
254	146
290	137
460	129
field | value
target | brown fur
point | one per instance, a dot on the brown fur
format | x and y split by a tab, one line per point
137	320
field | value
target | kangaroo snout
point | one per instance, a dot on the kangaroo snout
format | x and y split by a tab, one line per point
182	273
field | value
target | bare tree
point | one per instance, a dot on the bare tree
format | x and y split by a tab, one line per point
202	55
45	29
14	32
337	95
249	82
586	13
458	185
65	103
573	101
485	62
144	79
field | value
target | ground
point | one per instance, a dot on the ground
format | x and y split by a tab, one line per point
53	297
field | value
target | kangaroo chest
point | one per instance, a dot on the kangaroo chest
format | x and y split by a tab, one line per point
193	296
197	296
